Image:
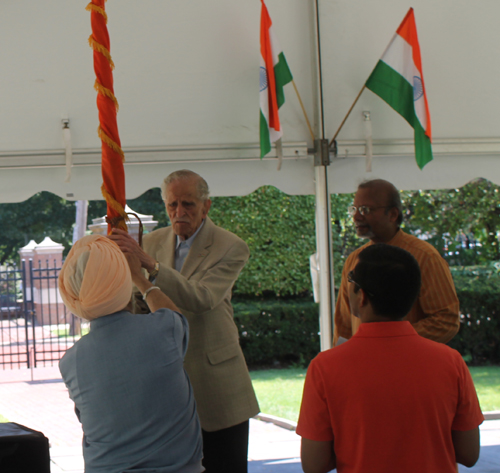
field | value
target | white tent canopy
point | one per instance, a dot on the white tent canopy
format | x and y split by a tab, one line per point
186	79
187	82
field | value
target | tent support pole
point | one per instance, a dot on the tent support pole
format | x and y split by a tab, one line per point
324	244
323	217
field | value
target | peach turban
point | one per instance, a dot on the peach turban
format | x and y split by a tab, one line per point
95	279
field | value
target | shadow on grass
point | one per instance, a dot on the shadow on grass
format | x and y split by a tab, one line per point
44	381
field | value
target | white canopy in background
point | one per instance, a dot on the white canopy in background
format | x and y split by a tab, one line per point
187	82
186	79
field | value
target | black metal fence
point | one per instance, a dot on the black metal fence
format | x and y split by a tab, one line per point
35	327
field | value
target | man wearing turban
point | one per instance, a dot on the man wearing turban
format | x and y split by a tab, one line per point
126	376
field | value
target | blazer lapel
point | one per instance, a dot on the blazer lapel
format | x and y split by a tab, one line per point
166	250
199	249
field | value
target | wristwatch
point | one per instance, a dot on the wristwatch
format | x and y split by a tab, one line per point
156	270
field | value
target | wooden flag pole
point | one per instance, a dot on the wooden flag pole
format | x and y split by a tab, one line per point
348	113
303	110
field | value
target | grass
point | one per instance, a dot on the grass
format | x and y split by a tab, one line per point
487	382
280	390
64	332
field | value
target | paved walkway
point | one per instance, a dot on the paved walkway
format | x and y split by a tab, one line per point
40	401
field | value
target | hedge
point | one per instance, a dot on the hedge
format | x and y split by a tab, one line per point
278	331
479	337
285	331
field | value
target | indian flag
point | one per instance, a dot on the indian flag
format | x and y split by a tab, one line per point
274	75
398	79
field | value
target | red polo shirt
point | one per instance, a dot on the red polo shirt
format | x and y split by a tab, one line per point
389	399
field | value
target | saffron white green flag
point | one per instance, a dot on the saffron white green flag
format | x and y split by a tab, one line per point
398	79
274	75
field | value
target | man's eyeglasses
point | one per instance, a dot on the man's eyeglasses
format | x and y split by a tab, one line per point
350	278
364	209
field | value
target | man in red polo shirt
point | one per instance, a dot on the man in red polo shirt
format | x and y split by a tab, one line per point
388	400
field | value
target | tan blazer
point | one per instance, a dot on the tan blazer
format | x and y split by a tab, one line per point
202	291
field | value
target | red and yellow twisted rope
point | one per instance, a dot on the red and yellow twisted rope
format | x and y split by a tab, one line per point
113	173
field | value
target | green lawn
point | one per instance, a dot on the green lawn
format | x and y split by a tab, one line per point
487	382
280	390
64	332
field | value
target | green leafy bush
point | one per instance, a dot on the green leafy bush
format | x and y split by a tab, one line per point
478	291
278	331
280	232
285	331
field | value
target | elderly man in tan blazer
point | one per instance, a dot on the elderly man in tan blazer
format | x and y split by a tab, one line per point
196	263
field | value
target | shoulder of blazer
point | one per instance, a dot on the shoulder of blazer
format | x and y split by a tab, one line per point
222	236
156	237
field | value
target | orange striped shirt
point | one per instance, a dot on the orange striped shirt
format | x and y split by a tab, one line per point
435	314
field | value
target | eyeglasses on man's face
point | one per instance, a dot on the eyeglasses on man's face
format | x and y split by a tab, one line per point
350	278
364	209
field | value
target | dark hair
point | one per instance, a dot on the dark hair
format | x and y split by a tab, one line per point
391	276
393	197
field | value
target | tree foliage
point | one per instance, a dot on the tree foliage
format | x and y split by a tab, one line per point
280	232
149	203
46	214
42	215
478	290
271	331
463	224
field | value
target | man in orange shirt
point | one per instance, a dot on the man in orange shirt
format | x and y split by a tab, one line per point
388	400
377	215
